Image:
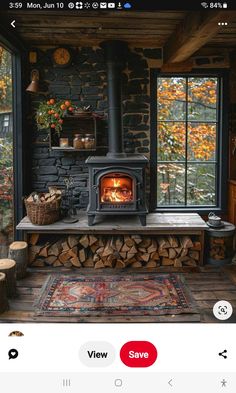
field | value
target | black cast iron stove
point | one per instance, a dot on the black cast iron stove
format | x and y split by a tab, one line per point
117	180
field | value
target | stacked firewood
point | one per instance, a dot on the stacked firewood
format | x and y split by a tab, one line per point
115	251
217	248
50	196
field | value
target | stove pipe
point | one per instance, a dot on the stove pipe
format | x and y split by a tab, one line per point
115	57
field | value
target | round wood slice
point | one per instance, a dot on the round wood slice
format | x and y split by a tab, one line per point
7	263
3	293
18	245
8	267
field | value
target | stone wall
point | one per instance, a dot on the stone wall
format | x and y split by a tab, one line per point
86	80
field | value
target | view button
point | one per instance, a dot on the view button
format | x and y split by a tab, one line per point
138	354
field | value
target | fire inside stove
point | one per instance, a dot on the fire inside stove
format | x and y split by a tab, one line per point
116	188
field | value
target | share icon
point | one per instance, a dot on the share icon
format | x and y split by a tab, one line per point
223	354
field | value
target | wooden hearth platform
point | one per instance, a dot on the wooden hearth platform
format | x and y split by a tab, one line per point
156	223
207	285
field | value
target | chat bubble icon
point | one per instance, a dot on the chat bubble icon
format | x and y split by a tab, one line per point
13	354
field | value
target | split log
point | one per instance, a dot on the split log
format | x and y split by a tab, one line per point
44	251
163	242
186	242
123	255
50	259
151	264
196	246
173	241
172	253
92	240
137	264
190	262
178	250
72	241
163	252
57	263
107	250
184	252
65	246
64	257
82	255
152	247
34	239
137	238
120	264
75	262
194	255
125	248
94	247
73	252
155	256
88	263
167	261
129	241
145	257
96	258
146	242
99	264
84	241
119	243
109	261
55	248
18	251
68	264
177	263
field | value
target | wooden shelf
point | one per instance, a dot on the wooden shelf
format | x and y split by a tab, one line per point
81	125
70	148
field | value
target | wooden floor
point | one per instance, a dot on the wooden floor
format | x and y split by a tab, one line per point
207	285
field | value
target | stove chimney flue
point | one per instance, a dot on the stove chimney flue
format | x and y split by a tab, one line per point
115	57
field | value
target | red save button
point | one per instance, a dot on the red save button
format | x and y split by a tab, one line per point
138	354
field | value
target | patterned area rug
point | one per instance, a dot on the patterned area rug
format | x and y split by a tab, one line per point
115	295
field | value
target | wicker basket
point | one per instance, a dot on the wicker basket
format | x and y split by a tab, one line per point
43	213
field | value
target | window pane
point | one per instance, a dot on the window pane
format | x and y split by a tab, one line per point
201	180
6	152
171	98
171	141
201	141
202	99
170	184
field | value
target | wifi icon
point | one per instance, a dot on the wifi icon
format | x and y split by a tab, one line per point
204	5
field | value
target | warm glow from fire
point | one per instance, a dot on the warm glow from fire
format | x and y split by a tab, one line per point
116	189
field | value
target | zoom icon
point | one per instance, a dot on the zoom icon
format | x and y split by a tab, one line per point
222	310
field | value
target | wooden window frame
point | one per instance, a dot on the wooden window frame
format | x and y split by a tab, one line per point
221	149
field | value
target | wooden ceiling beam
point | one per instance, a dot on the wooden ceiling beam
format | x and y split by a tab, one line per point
195	31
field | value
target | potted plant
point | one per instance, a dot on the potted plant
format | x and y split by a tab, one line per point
50	114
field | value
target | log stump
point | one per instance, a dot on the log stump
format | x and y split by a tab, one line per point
18	251
8	267
3	294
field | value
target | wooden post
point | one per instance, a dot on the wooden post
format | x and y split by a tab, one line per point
3	294
18	251
8	267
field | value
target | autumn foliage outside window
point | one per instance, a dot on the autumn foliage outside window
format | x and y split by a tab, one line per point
6	148
187	123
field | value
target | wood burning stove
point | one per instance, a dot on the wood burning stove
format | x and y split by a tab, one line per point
117	180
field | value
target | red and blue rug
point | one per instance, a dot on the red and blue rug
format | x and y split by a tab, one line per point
115	295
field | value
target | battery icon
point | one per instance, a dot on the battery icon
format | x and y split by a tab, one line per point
225	5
